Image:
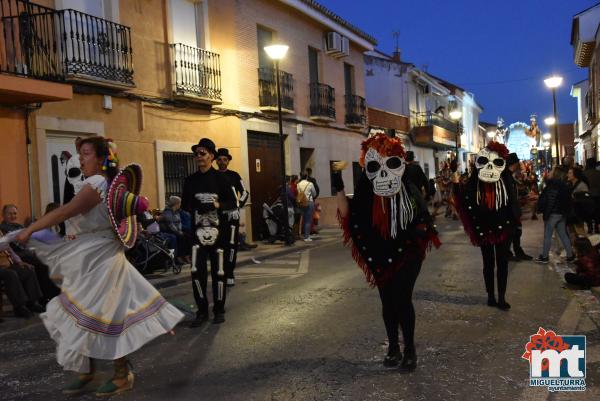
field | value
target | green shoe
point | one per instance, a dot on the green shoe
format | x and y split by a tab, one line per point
77	386
110	388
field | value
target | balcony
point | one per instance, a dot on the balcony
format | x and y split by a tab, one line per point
355	111
196	74
58	45
95	50
433	130
322	102
30	55
267	90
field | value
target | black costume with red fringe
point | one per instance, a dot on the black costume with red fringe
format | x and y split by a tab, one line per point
367	231
490	218
391	263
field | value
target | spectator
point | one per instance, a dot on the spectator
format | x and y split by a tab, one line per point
22	287
587	272
10	223
313	180
170	222
593	179
414	173
309	191
554	204
582	202
297	211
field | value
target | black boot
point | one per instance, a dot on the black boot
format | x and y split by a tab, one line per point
503	305
409	362
492	300
393	357
201	317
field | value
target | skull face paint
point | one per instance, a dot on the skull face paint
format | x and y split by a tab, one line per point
74	174
489	165
385	173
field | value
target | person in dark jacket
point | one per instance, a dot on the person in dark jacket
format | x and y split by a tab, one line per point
587	273
593	177
207	194
414	173
554	203
512	164
233	216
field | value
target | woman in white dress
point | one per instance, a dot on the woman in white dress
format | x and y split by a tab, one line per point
106	309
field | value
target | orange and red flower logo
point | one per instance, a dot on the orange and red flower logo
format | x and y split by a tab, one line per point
544	340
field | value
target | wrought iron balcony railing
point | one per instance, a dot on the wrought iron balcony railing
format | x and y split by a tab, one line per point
94	48
428	119
196	73
322	101
50	44
355	110
29	41
267	89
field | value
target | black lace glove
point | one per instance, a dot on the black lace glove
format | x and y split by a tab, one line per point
337	182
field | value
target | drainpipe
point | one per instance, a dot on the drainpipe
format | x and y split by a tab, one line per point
29	162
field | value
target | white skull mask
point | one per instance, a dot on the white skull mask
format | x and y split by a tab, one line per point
384	172
74	174
207	229
489	165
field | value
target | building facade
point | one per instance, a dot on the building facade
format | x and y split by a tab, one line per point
585	40
157	75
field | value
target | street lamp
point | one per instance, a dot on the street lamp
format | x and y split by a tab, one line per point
554	82
549	121
276	53
455	115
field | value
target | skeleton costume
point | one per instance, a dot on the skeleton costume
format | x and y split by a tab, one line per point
489	212
200	192
233	218
389	230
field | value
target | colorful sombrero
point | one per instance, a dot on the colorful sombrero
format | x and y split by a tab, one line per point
124	203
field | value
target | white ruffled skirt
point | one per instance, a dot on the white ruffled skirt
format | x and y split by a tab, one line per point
107	309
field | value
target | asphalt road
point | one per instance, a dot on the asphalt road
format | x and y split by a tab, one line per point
306	326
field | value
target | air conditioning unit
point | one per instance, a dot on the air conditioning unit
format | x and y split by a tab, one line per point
345	47
333	43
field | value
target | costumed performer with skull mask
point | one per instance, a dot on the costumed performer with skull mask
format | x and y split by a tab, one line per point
106	309
206	194
489	212
389	229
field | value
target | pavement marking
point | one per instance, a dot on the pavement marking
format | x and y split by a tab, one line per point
262	287
304	262
280	262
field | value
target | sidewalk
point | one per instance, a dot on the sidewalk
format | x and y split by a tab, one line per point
247	258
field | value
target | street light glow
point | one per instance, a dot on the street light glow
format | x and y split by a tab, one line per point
491	134
549	120
547	136
546	144
276	52
553	82
455	114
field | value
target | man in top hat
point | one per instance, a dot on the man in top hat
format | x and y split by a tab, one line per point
206	195
233	215
414	173
512	164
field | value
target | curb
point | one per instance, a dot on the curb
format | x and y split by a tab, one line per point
183	277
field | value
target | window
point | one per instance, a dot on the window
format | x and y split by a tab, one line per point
426	169
349	79
188	23
177	166
331	172
313	65
264	38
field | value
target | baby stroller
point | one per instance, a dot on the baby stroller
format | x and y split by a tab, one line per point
151	253
274	217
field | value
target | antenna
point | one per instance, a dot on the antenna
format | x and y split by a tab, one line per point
396	35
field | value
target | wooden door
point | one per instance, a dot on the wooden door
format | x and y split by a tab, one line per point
264	158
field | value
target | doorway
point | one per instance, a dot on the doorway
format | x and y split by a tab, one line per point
264	161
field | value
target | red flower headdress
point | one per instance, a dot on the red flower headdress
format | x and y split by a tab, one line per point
384	145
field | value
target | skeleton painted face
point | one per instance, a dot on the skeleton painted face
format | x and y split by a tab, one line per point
74	174
489	165
384	172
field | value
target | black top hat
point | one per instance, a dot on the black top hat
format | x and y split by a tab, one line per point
206	144
410	156
512	159
223	152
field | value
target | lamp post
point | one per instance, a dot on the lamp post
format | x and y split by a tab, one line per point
276	53
455	115
546	137
554	82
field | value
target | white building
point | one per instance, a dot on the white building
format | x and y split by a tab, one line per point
583	133
396	90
